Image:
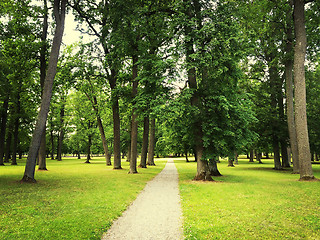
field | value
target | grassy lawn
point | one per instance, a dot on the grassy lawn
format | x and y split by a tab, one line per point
72	200
251	201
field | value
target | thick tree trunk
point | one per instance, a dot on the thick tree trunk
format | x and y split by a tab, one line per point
213	168
134	124
251	156
300	92
145	140
152	142
8	144
4	116
230	162
284	154
59	12
276	152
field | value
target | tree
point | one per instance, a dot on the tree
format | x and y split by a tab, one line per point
59	13
300	92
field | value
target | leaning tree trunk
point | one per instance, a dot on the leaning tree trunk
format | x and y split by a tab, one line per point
213	168
300	92
59	12
134	123
152	142
145	140
43	69
102	134
4	116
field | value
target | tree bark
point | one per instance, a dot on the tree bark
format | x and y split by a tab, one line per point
213	168
16	130
145	140
259	157
4	116
8	143
289	92
43	69
152	142
102	134
89	148
134	124
251	156
59	12
116	123
61	132
300	92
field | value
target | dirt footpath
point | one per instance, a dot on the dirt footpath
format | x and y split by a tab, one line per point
155	214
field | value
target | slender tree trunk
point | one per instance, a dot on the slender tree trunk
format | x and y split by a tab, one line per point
59	12
102	134
61	132
4	116
300	92
89	148
289	92
145	140
16	131
43	69
134	124
52	144
8	143
276	150
236	156
116	124
152	142
259	157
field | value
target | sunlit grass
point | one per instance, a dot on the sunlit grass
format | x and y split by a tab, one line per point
72	200
250	201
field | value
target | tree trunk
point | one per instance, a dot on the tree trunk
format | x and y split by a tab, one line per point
251	155
213	168
116	133
289	92
4	116
43	69
8	143
134	124
52	144
236	156
276	150
16	131
230	162
259	156
300	92
145	140
59	12
89	148
61	132
284	155
152	142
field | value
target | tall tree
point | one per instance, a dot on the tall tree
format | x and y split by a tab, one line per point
300	91
59	9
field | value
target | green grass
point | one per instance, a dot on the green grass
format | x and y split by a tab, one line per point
250	201
72	200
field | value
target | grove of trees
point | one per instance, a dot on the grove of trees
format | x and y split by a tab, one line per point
157	78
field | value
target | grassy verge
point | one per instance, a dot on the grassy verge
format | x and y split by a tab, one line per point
72	200
251	201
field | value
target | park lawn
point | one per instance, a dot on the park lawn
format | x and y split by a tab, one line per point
72	200
250	201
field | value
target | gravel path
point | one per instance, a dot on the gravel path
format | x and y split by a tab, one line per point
155	214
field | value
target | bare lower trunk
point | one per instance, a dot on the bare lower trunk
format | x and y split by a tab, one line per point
251	155
236	156
42	153
300	92
134	123
52	145
4	116
259	157
145	140
284	154
276	151
104	141
289	92
8	144
59	12
89	149
116	134
152	141
230	162
213	168
16	137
